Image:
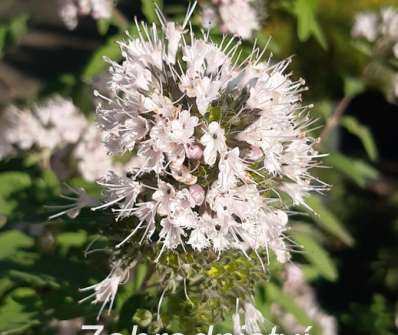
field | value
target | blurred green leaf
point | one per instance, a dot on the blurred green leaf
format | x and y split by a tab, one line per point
149	9
356	170
15	315
11	241
316	255
10	183
18	27
327	220
72	239
353	86
307	24
96	64
103	26
363	133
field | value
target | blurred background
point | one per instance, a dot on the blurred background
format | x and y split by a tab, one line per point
348	277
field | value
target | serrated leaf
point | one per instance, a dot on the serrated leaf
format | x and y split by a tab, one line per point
307	24
316	255
363	133
327	220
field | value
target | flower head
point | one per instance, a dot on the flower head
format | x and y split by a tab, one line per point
214	142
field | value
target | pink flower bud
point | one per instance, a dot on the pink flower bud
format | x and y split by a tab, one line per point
197	193
194	151
254	153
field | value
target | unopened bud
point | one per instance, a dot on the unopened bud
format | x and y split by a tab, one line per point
197	193
194	151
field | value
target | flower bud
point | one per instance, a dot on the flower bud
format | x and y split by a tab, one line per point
194	151
197	193
255	153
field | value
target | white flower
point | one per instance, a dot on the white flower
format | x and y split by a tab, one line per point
389	24
395	50
80	199
163	196
214	142
304	297
106	290
61	122
70	10
253	318
236	17
170	234
183	127
92	159
209	17
122	191
239	17
396	85
232	169
366	25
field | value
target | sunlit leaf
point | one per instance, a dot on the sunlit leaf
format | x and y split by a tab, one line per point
307	23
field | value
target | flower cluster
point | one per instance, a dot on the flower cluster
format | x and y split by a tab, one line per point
381	30
71	10
51	127
237	17
304	296
378	27
215	142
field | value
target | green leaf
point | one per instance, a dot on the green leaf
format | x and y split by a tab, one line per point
96	64
353	86
148	7
11	241
11	183
3	36
139	276
357	170
16	315
327	220
307	24
316	255
111	49
18	27
363	133
103	26
72	239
